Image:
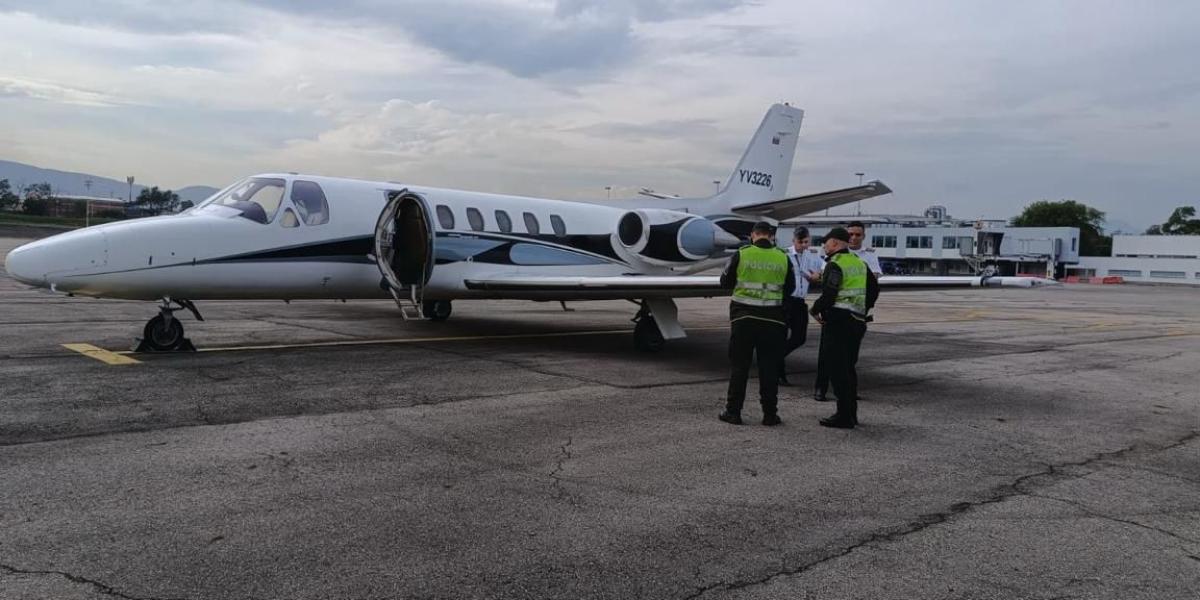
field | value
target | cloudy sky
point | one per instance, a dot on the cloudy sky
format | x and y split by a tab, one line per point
982	106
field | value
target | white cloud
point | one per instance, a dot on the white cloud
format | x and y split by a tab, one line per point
980	107
54	92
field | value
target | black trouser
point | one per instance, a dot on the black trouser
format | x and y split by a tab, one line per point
841	337
822	382
746	336
797	324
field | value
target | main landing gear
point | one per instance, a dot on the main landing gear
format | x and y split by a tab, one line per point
436	310
657	321
646	336
164	333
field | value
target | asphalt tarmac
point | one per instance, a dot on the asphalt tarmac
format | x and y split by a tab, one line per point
1014	444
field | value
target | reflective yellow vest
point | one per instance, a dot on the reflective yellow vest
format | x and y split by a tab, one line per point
853	294
761	274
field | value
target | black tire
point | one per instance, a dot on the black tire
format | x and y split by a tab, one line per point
646	336
160	337
436	310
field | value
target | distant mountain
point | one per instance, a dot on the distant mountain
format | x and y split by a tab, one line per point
20	175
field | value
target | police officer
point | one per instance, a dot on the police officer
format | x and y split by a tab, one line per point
760	278
849	290
858	234
806	267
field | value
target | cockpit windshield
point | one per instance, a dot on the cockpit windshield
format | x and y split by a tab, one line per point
256	198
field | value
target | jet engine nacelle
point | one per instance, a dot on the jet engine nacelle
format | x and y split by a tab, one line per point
667	237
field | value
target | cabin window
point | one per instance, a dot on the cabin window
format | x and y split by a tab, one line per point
560	228
289	219
475	218
310	203
445	216
531	224
503	221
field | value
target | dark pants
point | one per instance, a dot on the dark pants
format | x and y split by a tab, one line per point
746	336
797	324
841	338
822	381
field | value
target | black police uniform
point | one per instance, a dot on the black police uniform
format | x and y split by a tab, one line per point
754	328
841	338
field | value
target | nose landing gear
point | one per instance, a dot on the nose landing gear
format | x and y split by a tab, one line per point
164	333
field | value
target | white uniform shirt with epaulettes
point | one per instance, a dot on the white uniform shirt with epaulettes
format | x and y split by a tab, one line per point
868	256
803	264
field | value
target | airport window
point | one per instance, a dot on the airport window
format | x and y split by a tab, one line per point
445	216
1124	273
949	242
531	224
310	203
503	222
560	228
475	218
1074	242
883	241
1169	274
918	241
289	219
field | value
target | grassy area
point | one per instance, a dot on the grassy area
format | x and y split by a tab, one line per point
11	218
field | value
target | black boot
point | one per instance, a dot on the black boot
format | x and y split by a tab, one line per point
731	418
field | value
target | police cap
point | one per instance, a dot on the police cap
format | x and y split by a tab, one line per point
838	233
763	227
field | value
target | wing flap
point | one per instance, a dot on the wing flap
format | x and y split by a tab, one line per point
637	287
790	208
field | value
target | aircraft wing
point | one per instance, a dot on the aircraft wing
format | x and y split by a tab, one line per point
636	287
601	288
790	208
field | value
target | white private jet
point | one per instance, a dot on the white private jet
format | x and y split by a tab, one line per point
289	236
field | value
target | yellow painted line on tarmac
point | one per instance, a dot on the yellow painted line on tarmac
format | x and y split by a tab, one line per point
105	356
418	340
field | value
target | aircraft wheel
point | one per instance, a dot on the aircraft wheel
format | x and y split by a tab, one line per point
159	336
646	336
436	310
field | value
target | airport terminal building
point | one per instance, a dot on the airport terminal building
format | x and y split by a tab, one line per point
936	244
1146	259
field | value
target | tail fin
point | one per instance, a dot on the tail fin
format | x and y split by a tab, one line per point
762	173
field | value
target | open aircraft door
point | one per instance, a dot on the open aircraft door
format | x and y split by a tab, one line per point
404	249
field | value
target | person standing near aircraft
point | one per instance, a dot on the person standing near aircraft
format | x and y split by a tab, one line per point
858	234
806	267
849	290
760	279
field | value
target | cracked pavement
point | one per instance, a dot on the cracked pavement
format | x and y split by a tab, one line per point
1015	444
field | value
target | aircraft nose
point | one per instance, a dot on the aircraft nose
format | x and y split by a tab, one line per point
20	265
43	262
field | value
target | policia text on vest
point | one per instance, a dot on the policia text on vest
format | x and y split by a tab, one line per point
849	291
760	277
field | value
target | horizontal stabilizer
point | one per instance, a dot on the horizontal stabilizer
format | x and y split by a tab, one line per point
790	208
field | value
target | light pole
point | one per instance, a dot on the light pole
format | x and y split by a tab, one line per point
608	190
129	180
860	175
717	183
87	204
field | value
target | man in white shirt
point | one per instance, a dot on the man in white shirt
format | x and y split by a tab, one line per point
858	234
807	268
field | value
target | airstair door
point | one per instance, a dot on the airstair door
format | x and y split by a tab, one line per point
404	248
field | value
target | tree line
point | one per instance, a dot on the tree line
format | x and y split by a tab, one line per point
1092	239
39	199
